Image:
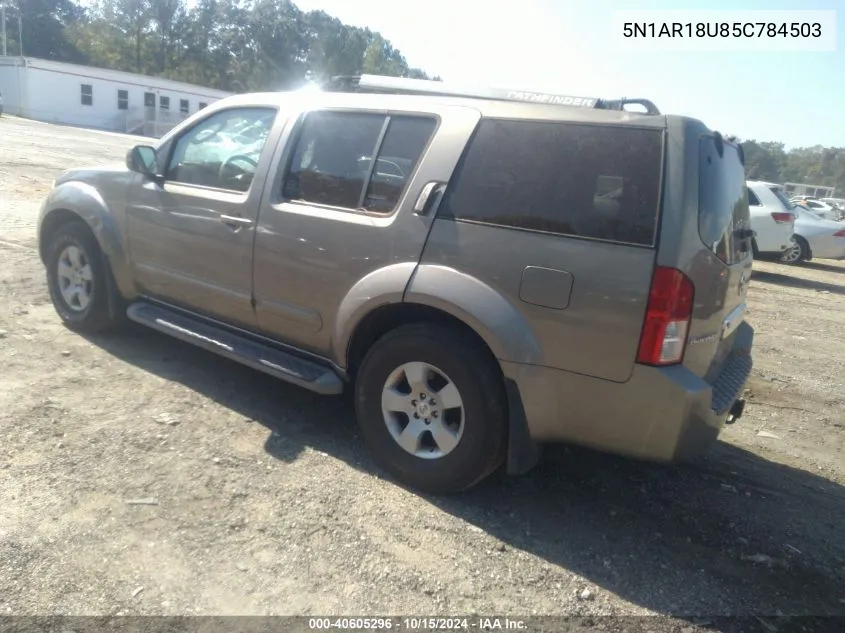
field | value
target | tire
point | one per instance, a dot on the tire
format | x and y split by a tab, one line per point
479	425
798	253
91	273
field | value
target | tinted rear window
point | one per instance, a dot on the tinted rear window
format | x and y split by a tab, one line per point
600	182
782	197
722	200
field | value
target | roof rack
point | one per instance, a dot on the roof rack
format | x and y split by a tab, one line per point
403	85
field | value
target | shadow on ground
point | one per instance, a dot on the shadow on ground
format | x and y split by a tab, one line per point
817	265
731	534
797	282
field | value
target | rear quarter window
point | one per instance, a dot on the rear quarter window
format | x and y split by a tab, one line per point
588	181
722	200
782	198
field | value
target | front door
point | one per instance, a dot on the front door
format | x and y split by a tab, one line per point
341	221
191	236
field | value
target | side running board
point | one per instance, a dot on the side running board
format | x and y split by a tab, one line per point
272	361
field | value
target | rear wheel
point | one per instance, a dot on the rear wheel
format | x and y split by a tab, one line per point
431	407
77	278
798	252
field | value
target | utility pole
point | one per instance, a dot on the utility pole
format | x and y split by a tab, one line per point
3	7
3	26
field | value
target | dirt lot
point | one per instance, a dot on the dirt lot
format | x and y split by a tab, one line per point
262	499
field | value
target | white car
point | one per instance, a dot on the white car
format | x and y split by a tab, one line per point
839	203
815	238
821	209
772	218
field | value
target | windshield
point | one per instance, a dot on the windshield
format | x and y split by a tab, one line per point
783	199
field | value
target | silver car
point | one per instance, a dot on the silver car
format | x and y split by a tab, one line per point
815	238
489	272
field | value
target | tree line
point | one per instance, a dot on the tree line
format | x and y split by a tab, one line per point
244	45
233	45
815	165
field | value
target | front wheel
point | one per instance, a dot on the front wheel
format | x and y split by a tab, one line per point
798	252
431	406
77	278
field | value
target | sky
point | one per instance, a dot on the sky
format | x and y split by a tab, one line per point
797	98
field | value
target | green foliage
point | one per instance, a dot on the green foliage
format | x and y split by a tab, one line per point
43	25
236	45
815	165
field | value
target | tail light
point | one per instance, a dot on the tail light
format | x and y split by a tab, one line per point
782	218
664	335
839	233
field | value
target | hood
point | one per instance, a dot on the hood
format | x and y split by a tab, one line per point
86	174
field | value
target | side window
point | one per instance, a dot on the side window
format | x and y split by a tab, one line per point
183	106
122	99
753	200
590	181
223	150
87	94
149	100
404	144
333	160
164	103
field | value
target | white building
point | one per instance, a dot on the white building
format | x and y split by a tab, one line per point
69	94
799	189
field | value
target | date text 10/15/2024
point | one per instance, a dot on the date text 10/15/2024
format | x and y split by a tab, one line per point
416	624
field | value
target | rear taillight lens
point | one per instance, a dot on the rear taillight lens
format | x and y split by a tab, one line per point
782	218
664	335
839	233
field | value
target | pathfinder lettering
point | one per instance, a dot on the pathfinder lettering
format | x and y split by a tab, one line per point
539	97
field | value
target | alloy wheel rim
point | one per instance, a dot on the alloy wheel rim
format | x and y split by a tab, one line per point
792	254
423	410
75	277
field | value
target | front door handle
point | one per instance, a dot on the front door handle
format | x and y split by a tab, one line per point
235	221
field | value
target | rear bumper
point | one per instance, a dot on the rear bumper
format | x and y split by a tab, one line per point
774	241
659	414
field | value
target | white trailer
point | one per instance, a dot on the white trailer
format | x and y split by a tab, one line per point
69	94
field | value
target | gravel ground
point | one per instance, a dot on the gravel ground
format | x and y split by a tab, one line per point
140	476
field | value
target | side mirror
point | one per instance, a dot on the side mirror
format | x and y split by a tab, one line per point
143	159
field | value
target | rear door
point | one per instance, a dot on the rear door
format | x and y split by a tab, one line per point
341	209
721	258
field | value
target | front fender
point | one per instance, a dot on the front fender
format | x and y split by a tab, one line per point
481	307
87	202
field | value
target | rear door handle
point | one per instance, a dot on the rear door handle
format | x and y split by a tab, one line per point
431	191
235	221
